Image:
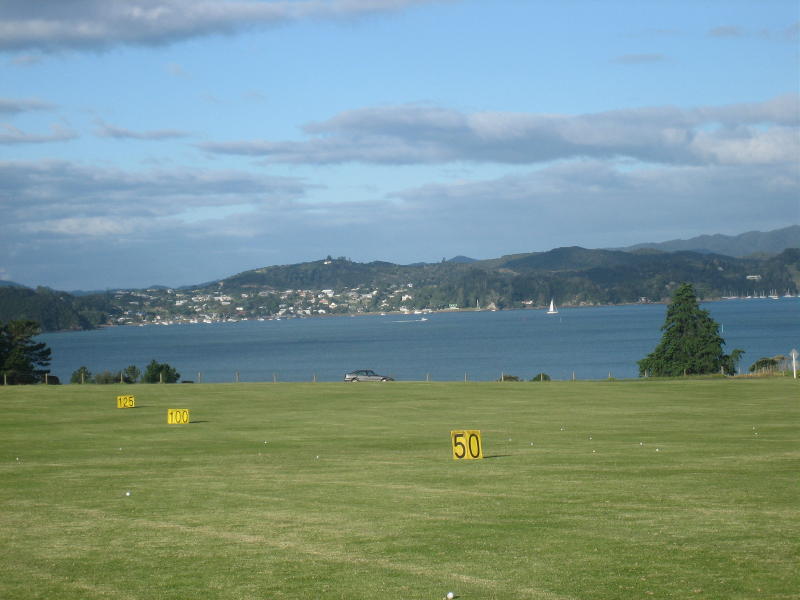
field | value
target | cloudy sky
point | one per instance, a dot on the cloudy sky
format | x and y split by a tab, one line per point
179	141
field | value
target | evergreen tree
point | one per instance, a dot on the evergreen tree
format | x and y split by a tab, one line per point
131	374
21	359
82	375
691	344
157	372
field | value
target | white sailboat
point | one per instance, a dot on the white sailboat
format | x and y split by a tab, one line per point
552	310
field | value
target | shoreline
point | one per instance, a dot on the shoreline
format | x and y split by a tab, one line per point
417	313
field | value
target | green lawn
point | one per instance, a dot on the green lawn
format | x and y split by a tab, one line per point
589	490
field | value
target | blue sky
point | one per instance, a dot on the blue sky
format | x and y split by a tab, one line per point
179	141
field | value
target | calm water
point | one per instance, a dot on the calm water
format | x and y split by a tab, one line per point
591	342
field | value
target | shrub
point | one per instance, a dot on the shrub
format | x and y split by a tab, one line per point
107	377
541	377
508	378
160	372
82	375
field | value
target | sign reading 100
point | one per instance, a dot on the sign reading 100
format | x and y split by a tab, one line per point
177	416
466	444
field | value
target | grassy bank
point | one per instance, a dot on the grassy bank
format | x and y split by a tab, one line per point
590	490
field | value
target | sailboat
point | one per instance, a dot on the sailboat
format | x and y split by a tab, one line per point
552	310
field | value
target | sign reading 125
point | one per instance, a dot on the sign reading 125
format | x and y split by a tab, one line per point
466	444
126	401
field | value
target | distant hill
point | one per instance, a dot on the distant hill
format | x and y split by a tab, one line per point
572	276
746	244
53	310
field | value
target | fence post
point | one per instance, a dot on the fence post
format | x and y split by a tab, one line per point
237	376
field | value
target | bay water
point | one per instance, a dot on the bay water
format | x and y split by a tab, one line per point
587	343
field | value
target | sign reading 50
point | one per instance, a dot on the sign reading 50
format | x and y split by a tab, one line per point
177	416
466	444
126	401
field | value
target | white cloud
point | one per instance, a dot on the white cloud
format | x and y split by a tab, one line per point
83	226
18	105
64	194
112	131
184	226
49	25
414	134
597	203
11	135
726	31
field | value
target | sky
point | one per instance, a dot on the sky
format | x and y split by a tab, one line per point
176	142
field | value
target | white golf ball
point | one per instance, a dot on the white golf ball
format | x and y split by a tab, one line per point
450	595
127	493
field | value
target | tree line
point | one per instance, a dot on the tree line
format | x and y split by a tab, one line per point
155	372
23	360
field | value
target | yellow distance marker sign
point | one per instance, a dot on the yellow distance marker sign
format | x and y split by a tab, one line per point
126	402
466	444
177	416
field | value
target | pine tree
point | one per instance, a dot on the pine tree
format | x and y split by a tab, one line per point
691	343
21	359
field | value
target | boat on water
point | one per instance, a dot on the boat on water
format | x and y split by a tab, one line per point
552	310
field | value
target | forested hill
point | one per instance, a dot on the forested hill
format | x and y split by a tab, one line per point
54	310
572	276
745	244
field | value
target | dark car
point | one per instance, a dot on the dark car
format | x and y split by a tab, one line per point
365	375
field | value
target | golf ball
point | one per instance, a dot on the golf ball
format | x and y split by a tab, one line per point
127	493
450	595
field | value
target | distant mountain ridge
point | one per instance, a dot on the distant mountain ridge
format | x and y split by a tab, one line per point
740	246
572	276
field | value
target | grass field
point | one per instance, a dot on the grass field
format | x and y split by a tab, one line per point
589	490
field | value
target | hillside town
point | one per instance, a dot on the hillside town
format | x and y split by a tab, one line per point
166	306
